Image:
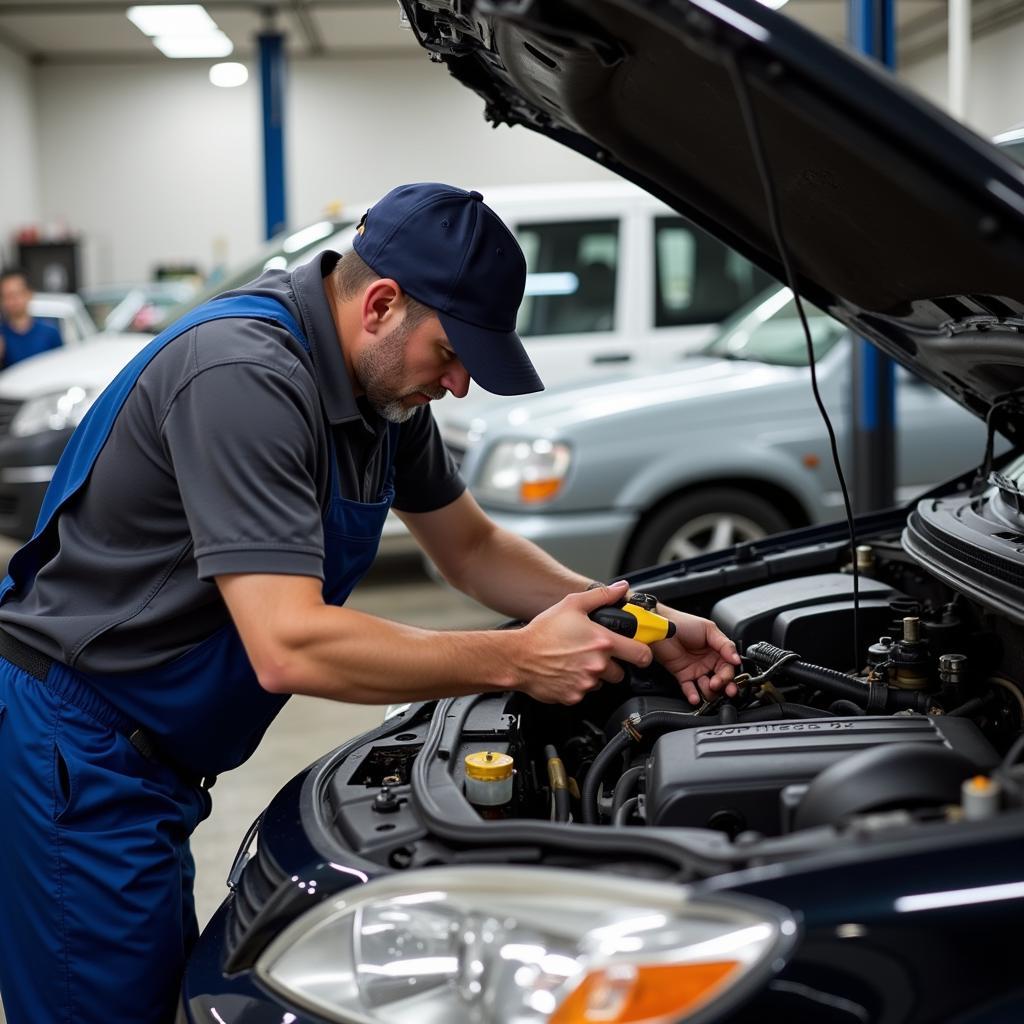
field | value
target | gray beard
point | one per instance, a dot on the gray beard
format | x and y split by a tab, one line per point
379	367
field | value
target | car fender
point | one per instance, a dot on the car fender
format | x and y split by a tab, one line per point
690	467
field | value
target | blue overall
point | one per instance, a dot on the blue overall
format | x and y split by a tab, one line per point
96	907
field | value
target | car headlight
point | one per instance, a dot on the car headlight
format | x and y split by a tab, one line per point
480	945
526	472
59	410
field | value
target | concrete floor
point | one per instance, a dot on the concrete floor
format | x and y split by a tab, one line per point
308	727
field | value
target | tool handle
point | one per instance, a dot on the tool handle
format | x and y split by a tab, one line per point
618	620
635	622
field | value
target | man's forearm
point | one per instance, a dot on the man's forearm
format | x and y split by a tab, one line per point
343	654
515	577
298	644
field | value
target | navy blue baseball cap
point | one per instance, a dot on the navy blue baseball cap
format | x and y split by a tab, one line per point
450	251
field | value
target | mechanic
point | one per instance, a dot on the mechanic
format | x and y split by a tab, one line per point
207	521
21	334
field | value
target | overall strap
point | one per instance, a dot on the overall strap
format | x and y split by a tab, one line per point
92	433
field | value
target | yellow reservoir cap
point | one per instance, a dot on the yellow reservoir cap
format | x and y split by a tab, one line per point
488	766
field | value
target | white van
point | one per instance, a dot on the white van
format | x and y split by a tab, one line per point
616	280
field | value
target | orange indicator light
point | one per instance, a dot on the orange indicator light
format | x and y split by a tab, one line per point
539	490
642	993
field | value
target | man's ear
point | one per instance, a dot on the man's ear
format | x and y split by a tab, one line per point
381	302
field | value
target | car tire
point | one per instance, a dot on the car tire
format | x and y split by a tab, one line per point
699	522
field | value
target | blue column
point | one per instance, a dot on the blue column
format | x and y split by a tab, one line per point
872	31
273	67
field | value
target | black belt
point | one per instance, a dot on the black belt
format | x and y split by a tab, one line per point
38	665
34	662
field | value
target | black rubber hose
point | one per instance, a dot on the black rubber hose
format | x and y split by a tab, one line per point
972	706
845	707
728	714
853	688
623	815
592	782
626	786
653	721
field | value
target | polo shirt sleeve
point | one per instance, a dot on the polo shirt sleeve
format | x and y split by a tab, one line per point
242	438
426	477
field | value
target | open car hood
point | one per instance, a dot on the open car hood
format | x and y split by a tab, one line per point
899	221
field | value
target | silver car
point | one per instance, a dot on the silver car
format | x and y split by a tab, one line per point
727	448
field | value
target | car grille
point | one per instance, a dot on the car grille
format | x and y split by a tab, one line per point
8	408
260	878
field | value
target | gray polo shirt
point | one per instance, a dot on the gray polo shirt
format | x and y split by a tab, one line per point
218	463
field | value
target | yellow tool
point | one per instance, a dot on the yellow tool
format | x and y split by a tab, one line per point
636	618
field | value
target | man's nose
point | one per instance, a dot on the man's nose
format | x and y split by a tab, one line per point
456	380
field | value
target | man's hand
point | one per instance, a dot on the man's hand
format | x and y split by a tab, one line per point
565	655
700	656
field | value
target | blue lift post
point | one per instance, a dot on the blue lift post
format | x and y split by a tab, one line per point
872	30
272	76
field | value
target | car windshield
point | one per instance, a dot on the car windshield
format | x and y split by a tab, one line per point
768	330
279	253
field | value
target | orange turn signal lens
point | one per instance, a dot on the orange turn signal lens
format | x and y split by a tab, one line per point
642	993
538	490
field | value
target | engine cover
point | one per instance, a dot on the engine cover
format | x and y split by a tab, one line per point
811	614
738	777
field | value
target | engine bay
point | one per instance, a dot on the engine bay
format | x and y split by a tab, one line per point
922	729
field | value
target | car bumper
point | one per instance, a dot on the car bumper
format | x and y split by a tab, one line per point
26	466
591	543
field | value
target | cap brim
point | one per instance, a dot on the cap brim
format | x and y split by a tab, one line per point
496	360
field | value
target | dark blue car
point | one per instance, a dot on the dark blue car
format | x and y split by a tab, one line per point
842	842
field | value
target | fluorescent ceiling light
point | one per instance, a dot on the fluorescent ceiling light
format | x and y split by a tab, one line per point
773	4
229	74
213	44
172	20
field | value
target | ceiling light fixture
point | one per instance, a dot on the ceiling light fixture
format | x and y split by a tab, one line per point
229	74
172	20
181	30
213	44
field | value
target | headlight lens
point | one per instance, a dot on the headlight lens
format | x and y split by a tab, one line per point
58	410
528	472
517	946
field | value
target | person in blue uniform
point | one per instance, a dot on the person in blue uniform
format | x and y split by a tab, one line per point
21	335
188	573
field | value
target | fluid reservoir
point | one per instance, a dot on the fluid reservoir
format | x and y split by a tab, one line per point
489	778
980	798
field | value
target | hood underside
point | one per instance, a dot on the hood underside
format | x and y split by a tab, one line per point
900	222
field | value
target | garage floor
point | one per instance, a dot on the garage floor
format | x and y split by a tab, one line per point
309	727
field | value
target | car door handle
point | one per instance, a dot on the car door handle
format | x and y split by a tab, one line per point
613	357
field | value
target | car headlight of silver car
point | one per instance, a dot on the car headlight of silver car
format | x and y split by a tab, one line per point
58	410
480	945
524	472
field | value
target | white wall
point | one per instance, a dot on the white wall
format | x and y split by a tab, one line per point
153	164
149	164
996	89
360	127
19	196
